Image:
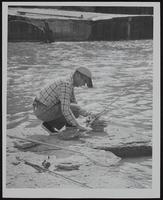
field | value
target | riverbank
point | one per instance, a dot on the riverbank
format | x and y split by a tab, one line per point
111	170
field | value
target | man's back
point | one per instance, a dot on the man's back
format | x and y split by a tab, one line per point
51	94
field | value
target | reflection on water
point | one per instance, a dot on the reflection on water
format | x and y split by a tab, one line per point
116	66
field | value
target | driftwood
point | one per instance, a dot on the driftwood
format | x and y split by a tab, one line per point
41	169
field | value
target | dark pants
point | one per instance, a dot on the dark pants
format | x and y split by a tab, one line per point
53	115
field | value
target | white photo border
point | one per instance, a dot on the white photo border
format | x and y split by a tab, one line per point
154	192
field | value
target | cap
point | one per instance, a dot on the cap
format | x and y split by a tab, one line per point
87	73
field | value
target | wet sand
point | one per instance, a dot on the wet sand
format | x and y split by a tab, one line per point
108	170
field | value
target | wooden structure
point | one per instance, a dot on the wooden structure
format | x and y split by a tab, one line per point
39	24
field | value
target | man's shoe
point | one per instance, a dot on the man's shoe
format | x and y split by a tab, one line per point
48	128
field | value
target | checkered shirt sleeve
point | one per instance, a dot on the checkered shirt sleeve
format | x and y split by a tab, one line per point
65	97
73	99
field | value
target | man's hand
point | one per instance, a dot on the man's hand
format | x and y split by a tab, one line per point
91	117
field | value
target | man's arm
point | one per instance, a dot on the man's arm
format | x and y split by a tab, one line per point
64	96
73	98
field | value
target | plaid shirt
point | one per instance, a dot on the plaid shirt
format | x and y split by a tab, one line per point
61	91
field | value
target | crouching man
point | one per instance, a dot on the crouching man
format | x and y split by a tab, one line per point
56	104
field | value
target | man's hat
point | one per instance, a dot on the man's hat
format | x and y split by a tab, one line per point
86	72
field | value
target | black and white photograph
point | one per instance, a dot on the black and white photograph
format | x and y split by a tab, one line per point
81	99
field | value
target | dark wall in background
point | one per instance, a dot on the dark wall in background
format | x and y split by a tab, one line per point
25	28
118	28
123	28
125	10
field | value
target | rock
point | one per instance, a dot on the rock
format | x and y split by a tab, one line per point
67	166
131	151
69	134
25	146
98	157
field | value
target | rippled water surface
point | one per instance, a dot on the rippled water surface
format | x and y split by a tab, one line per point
117	67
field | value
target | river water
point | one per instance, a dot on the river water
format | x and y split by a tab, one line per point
117	67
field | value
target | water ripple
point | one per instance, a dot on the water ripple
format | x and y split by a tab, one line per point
116	66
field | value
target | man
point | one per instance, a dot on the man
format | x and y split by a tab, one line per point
56	104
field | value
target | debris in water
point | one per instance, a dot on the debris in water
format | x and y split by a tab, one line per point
16	163
99	125
46	164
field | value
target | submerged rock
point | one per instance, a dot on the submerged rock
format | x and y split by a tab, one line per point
98	157
130	150
69	134
121	149
123	142
25	146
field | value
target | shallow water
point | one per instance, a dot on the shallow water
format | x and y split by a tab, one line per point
121	68
116	66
